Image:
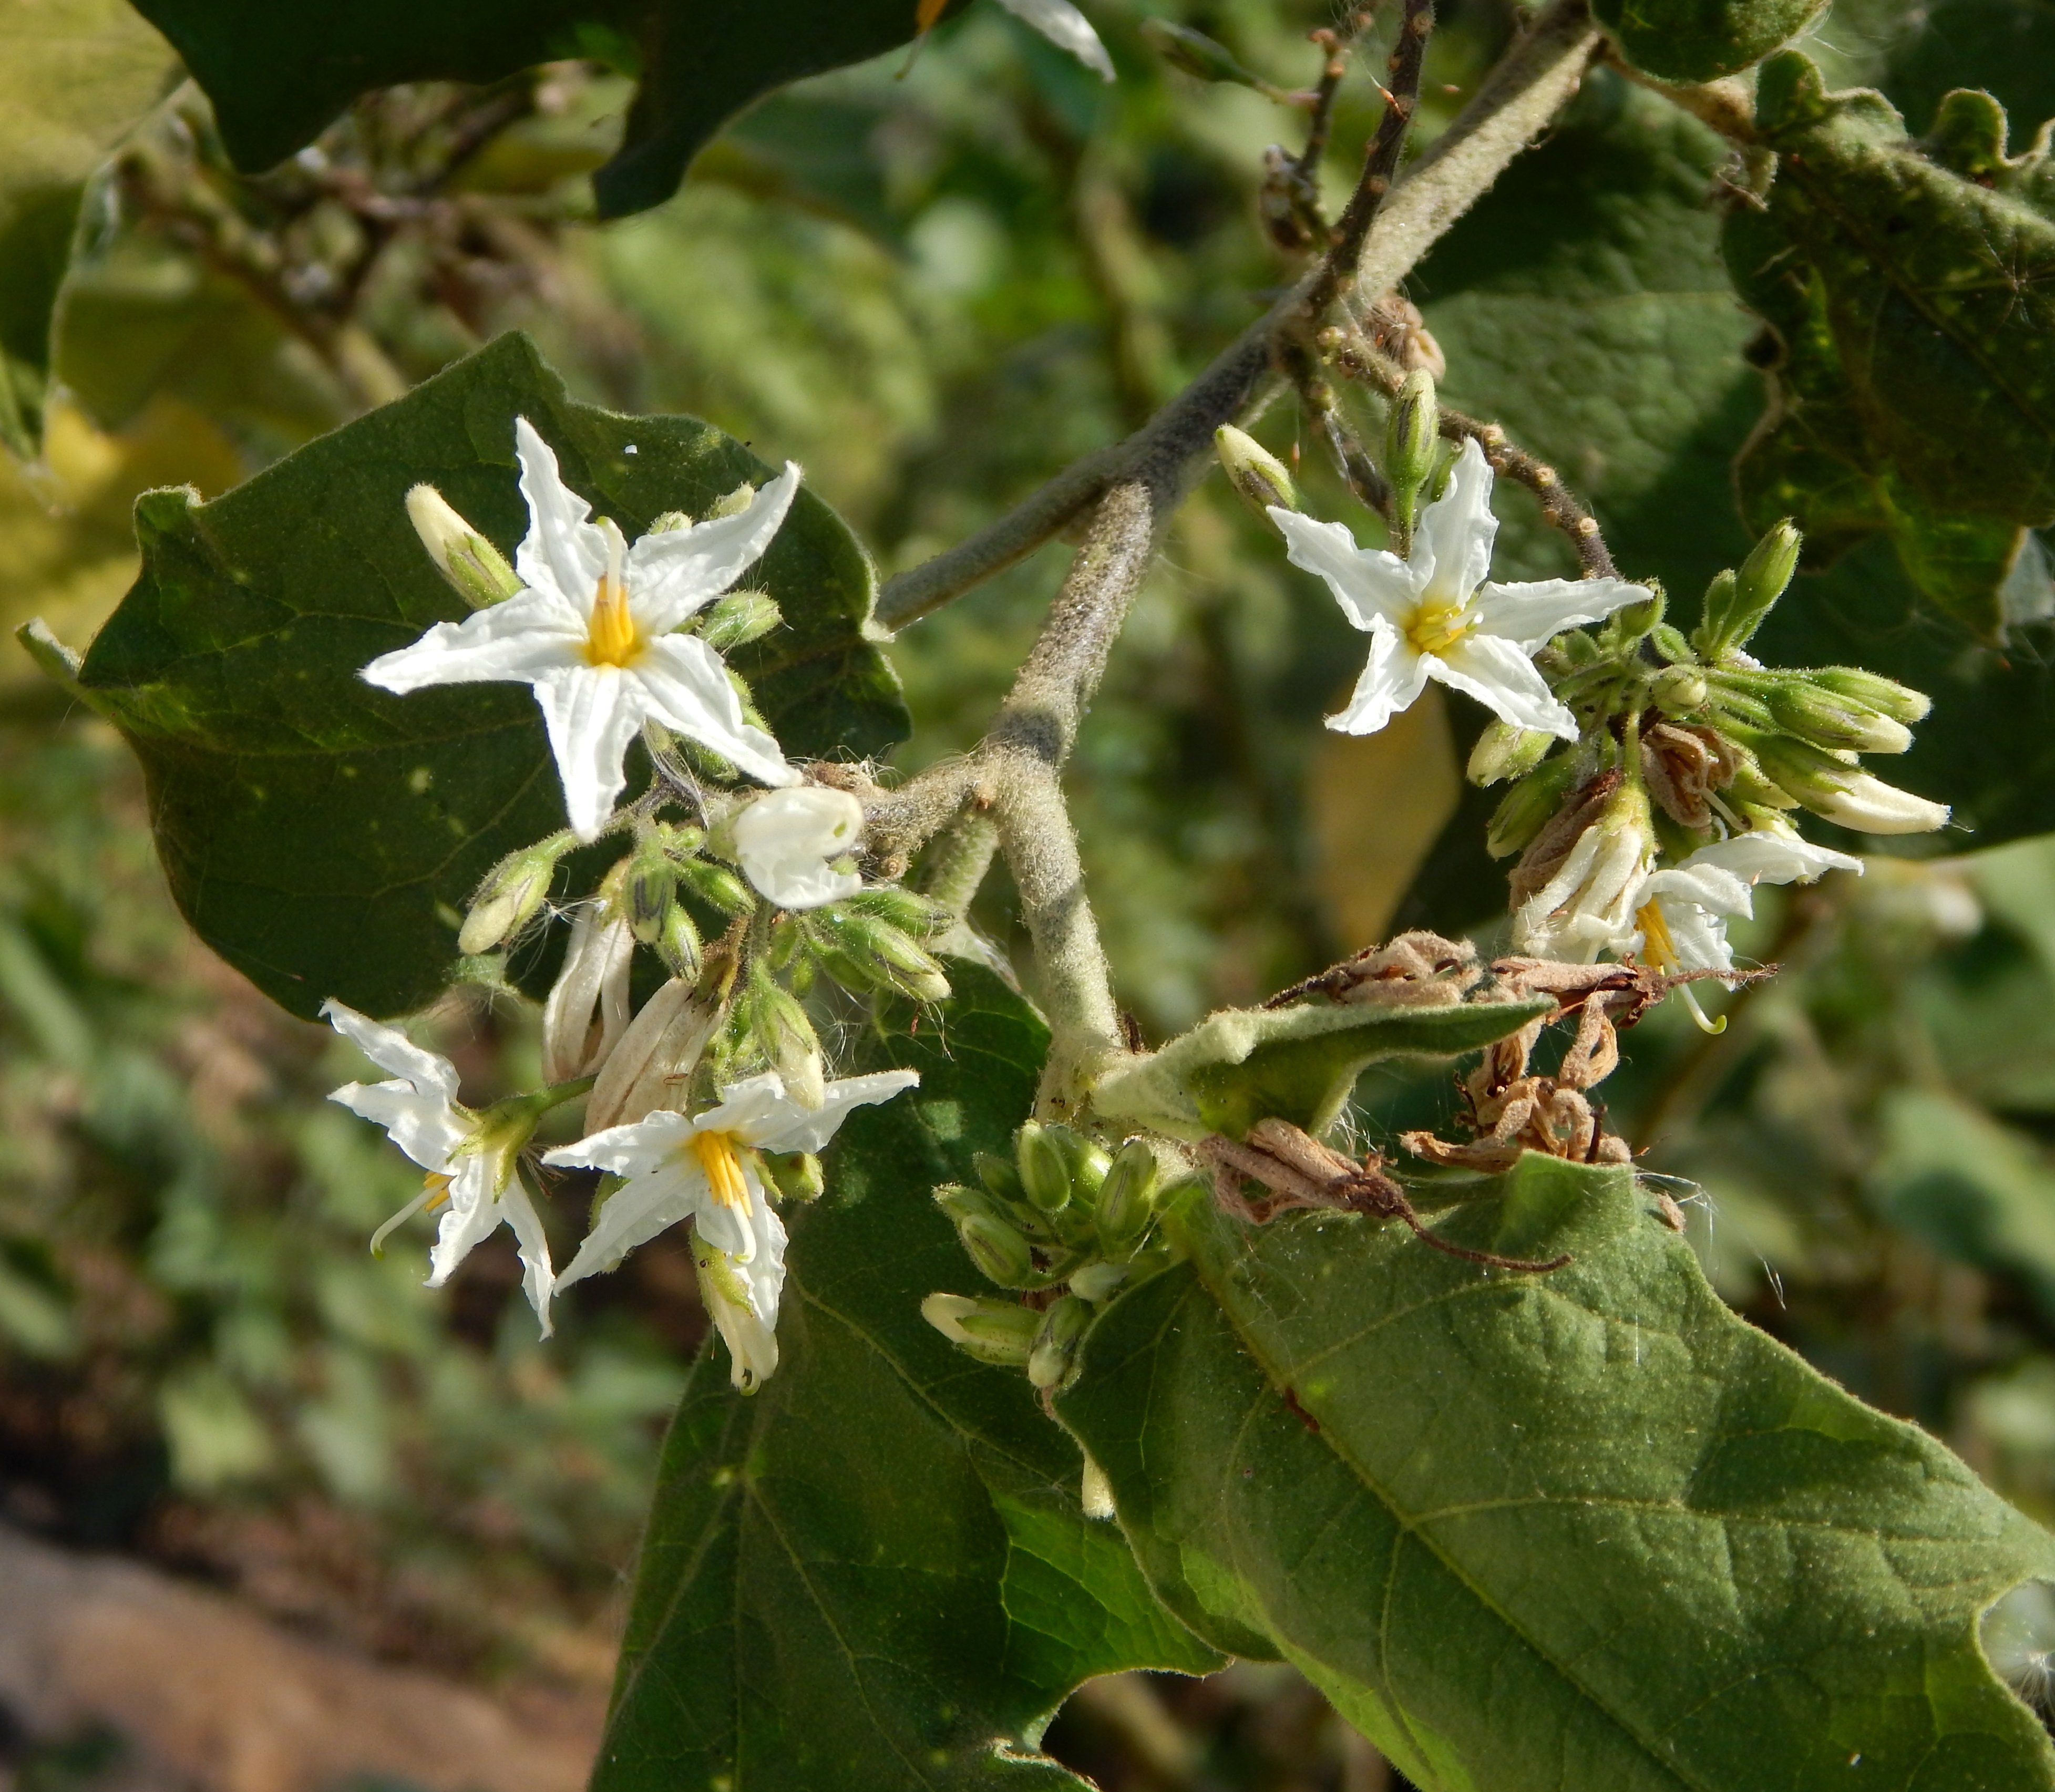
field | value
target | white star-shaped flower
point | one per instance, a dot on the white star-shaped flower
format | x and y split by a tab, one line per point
704	1166
468	1166
1433	615
594	631
789	841
1680	912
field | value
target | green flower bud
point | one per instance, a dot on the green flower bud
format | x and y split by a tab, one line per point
1063	1328
1525	809
717	886
1504	749
1719	611
1668	640
1089	1163
669	522
797	1175
1100	1282
1412	440
999	1251
1678	690
734	504
1044	1166
1127	1197
1256	474
513	891
1637	619
998	1175
1736	603
1886	696
1197	54
1831	721
680	947
998	1332
778	1031
1741	699
476	570
738	618
888	958
1830	785
652	884
907	910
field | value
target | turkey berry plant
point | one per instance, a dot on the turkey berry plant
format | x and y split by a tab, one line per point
1043	1353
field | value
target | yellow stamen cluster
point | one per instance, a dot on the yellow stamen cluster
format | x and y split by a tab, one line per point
722	1162
612	638
438	1187
1435	627
1659	950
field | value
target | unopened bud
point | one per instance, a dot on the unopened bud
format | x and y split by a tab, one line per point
669	522
1525	809
999	1250
652	884
680	946
1634	620
1089	1163
1100	1282
997	1174
797	1175
1196	53
907	910
1256	474
998	1332
1044	1166
1127	1197
1055	1352
1736	603
513	891
779	1032
734	504
738	618
476	570
1678	690
1831	721
716	885
1505	750
1886	696
1833	788
1412	437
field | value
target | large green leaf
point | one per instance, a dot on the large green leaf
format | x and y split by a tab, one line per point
277	75
876	1573
1585	1529
75	75
1701	40
321	834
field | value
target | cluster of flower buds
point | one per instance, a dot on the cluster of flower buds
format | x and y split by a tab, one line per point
1064	1224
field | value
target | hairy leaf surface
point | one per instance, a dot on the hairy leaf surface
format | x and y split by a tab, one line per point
321	834
875	1574
278	74
1701	40
1583	1529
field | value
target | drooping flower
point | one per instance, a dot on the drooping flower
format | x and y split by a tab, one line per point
789	843
1433	615
594	631
586	1013
470	1158
705	1167
1586	905
1067	28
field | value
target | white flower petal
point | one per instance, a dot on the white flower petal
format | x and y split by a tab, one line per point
522	640
471	1217
595	977
1372	585
1066	28
1529	615
1704	886
636	1213
785	839
1698	936
1392	679
633	1149
1506	682
391	1050
1763	856
683	684
423	1126
561	552
799	1130
671	576
537	1278
764	1273
593	713
725	1229
751	1108
1452	541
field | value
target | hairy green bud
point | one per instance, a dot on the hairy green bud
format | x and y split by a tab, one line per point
511	893
999	1250
734	504
1100	1282
680	946
1256	474
1127	1197
1900	702
998	1332
1832	785
1412	439
1831	720
1637	619
717	886
652	886
1678	690
797	1175
1525	809
739	618
1044	1165
1505	750
907	910
1736	603
475	569
997	1174
1055	1352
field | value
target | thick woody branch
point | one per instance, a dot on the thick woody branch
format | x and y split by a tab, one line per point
1530	84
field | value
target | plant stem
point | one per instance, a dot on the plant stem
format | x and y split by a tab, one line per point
1530	84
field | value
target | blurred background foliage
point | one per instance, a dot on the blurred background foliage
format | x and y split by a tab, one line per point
933	291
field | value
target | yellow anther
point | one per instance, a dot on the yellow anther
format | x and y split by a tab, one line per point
722	1164
438	1186
611	637
1437	626
1659	950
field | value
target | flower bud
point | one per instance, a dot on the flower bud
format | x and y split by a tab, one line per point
475	569
796	1174
907	910
1829	720
1637	619
738	618
1044	1165
734	504
998	1332
1586	905
652	884
1127	1197
1412	437
512	892
1100	1282
1254	471
1196	53
1678	689
1525	809
1834	788
716	885
1063	1328
678	947
1736	603
894	960
999	1250
997	1174
1885	696
1504	749
669	522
